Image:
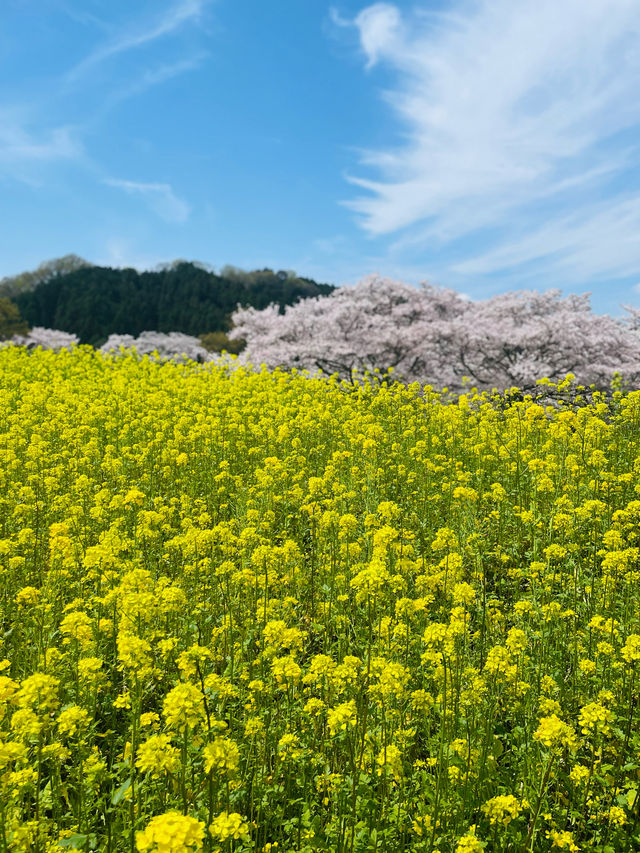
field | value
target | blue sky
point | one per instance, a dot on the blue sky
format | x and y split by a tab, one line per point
484	145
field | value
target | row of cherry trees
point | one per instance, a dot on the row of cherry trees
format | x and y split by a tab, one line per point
160	344
164	345
435	336
426	334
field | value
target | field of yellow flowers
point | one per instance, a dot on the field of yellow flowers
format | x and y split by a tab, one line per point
266	612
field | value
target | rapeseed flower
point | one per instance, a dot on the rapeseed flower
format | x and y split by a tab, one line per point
553	733
38	692
389	760
596	719
171	832
342	717
184	706
221	756
245	583
157	756
563	840
229	826
469	843
502	809
73	721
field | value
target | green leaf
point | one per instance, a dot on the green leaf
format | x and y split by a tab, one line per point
120	793
75	841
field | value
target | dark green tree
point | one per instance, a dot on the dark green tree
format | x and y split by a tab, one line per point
94	302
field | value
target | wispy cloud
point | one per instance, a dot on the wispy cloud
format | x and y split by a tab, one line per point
601	243
38	133
81	16
24	149
381	32
138	35
17	145
511	113
150	78
160	198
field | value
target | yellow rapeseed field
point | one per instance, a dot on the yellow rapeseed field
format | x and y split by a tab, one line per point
269	612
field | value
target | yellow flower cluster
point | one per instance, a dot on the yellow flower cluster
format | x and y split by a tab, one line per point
469	843
265	611
222	756
596	719
157	756
342	717
171	833
502	809
554	734
229	826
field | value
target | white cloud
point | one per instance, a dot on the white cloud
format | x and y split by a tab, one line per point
165	72
507	109
180	13
602	244
18	145
160	198
380	31
23	151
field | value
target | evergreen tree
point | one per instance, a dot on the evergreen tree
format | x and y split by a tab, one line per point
95	302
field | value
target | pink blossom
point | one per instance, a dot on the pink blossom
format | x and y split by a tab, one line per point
38	336
172	345
435	336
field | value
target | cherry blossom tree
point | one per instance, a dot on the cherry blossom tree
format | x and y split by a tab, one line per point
435	336
425	334
38	336
633	320
379	324
172	345
516	338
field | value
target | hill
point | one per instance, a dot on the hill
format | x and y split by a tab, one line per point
94	302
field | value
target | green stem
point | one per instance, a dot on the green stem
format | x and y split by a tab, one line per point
530	836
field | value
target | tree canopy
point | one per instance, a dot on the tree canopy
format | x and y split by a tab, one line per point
11	323
94	302
435	336
24	282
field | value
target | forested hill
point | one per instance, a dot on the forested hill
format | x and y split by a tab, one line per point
93	302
